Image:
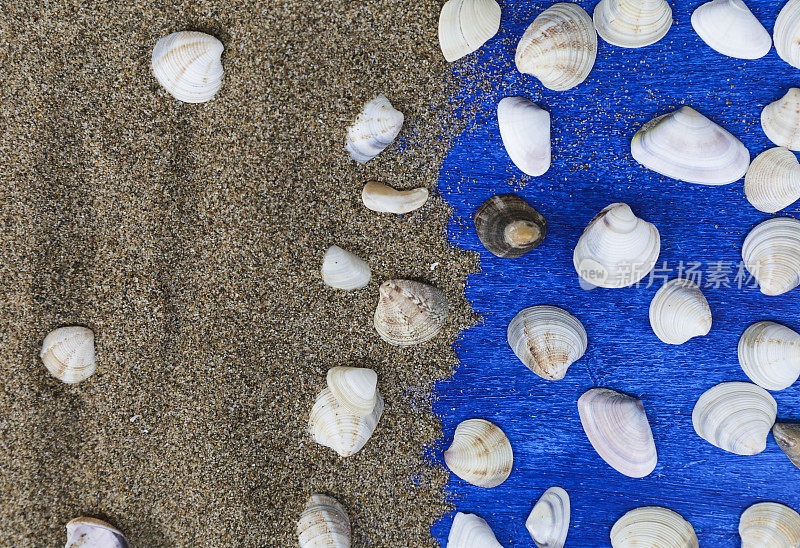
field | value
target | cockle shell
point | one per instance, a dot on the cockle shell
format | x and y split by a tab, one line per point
333	425
653	527
687	146
189	65
355	388
508	227
344	270
773	180
525	131
787	436
559	47
471	531
93	533
548	522
769	354
780	120
384	199
679	311
617	249
632	23
68	353
771	253
729	27
480	453
409	313
324	523
769	525
547	339
735	416
617	428
466	25
374	129
787	33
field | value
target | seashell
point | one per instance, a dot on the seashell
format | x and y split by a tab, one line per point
547	339
729	27
773	180
617	428
769	525
559	47
93	533
687	146
679	311
735	416
787	436
323	524
480	453
632	23
188	65
409	313
375	129
508	227
68	353
344	270
355	388
548	522
769	354
771	253
617	248
384	199
333	425
471	531
780	120
786	34
466	25
525	131
653	526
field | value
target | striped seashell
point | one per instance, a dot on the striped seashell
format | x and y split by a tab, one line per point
375	129
480	453
189	65
769	354
333	425
471	531
773	180
548	522
729	27
344	270
769	525
465	25
787	436
384	199
525	131
324	523
780	120
508	227
355	388
653	526
786	34
771	253
68	353
632	23
409	313
679	311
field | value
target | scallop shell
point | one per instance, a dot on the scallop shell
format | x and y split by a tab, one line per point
409	313
780	120
344	270
93	533
323	524
333	425
471	531
769	525
480	453
653	526
617	249
68	353
559	47
466	25
771	253
632	23
375	129
787	436
525	130
189	65
384	199
547	340
773	180
735	416
787	33
729	27
548	522
508	227
355	388
679	311
769	354
687	146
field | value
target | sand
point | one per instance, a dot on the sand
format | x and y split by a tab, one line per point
189	237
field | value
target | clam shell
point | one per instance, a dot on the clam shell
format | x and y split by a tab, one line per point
93	533
632	23
344	270
787	436
771	253
687	146
471	531
769	354
333	425
508	227
525	130
780	120
786	34
559	47
735	416
323	524
769	525
773	180
375	129
547	340
653	526
355	388
729	27
68	353
189	65
384	199
480	453
409	313
679	311
617	249
466	25
548	522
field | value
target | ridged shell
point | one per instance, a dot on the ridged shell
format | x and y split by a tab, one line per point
653	527
409	313
780	120
189	65
480	453
735	416
632	23
344	270
68	353
679	311
548	522
729	27
617	428
769	354
547	339
384	199
559	47
787	436
687	146
525	130
324	523
471	531
333	425
787	33
617	249
508	227
771	253
466	25
769	525
375	129
773	180
93	533
355	388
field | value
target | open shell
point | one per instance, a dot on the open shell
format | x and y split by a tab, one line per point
355	388
333	425
771	253
480	453
729	27
679	311
471	531
324	523
769	525
548	522
465	25
344	270
769	354
384	199
525	130
780	120
68	353
787	436
773	180
508	227
787	33
653	526
409	312
188	65
92	533
374	129
632	23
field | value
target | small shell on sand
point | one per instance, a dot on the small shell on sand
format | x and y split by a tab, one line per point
384	199
68	353
324	523
188	65
93	533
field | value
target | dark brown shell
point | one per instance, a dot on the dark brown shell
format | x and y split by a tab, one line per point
509	227
788	437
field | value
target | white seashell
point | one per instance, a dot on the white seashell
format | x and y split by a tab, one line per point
384	199
769	354
355	388
374	129
653	526
559	47
632	23
617	428
787	33
617	249
344	270
466	25
735	416
480	453
324	523
333	425
780	120
547	339
729	27
769	525
409	313
93	533
679	311
773	180
525	130
471	531
68	353
548	522
687	146
189	65
771	253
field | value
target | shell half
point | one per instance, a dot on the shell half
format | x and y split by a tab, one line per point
525	130
355	388
771	253
679	312
780	120
471	531
333	425
653	526
632	23
189	65
324	523
786	34
548	522
344	270
508	227
769	354
787	436
68	353
769	525
91	532
466	25
375	129
480	453
773	180
729	27
409	312
384	199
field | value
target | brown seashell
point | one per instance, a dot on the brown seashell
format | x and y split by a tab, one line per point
787	436
409	313
508	227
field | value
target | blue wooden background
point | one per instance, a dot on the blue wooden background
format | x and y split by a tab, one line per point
592	167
